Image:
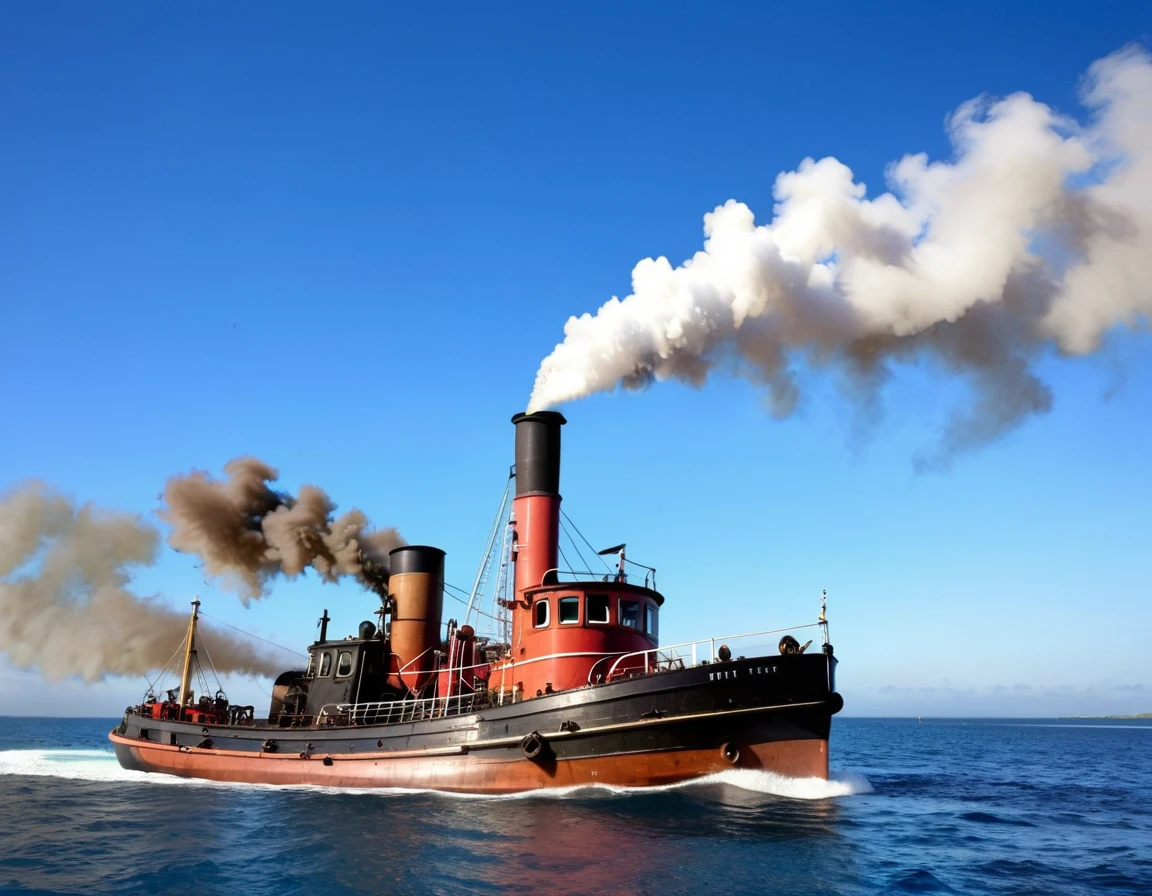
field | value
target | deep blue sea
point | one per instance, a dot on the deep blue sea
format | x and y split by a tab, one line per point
956	806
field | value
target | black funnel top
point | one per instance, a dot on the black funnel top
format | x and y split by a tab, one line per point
538	452
416	558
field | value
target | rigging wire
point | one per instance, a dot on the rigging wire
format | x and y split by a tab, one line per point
485	567
201	680
575	546
250	635
500	591
564	557
164	669
585	540
211	665
462	601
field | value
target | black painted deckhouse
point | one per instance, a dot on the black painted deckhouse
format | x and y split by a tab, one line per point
571	688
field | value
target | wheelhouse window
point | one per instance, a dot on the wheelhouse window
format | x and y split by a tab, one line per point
344	664
311	673
597	608
325	664
542	613
653	621
569	610
630	613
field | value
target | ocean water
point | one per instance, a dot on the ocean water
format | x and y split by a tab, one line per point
956	806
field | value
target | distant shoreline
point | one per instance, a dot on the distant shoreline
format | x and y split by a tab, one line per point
1139	715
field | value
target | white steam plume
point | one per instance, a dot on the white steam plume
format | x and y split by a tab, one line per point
1036	237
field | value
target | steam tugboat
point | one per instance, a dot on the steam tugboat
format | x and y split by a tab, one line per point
579	692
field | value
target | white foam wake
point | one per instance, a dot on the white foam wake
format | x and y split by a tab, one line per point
838	784
101	765
77	765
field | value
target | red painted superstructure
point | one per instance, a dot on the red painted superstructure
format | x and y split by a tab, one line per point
562	633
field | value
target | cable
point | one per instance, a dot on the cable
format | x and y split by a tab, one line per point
564	557
586	541
462	601
163	669
575	546
250	635
211	665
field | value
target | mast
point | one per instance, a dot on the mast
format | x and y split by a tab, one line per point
189	652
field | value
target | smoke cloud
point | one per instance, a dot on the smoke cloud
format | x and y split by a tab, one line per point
1036	238
247	533
65	605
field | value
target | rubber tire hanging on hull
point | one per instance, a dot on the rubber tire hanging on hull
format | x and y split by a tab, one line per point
532	746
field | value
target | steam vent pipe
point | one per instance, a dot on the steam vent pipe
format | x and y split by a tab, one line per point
416	586
537	502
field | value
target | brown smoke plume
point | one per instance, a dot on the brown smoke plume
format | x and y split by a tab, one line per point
1035	239
249	533
65	605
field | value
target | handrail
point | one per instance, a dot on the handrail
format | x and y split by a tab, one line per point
434	669
606	656
404	668
384	712
692	644
651	569
597	576
771	631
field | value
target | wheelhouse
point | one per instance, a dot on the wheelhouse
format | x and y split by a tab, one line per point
571	628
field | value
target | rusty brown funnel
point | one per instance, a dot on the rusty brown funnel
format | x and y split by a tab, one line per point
416	587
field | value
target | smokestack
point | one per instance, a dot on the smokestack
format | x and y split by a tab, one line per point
537	502
416	587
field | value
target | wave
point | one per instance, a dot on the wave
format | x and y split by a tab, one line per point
101	766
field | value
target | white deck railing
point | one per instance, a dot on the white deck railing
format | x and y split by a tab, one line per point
607	668
690	653
385	712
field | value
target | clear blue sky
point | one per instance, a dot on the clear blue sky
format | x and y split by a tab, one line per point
342	238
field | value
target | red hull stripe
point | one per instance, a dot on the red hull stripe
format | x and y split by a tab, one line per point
460	772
